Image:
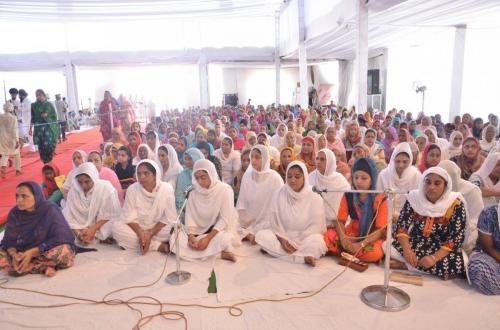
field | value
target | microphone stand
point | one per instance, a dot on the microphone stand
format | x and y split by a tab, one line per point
179	276
382	297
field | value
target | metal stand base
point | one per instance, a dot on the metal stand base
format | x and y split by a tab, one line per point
178	277
388	299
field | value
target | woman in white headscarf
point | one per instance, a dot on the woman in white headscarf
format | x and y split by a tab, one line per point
472	199
431	228
442	143
401	175
487	178
258	185
153	141
169	164
298	220
456	139
210	216
326	177
77	158
278	140
488	141
148	212
92	205
143	152
230	160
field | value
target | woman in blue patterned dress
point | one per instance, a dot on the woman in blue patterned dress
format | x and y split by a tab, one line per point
484	265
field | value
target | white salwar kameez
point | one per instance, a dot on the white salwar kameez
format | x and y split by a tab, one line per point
151	154
331	180
473	201
230	164
9	138
174	167
207	210
100	203
146	209
389	178
256	195
277	140
298	217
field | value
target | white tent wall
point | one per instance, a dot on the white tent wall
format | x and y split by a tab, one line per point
168	86
425	61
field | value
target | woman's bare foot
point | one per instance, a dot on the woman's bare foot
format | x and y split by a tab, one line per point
228	256
50	272
250	238
396	264
310	261
164	248
18	173
2	172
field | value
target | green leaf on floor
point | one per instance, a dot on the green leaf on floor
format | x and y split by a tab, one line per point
212	283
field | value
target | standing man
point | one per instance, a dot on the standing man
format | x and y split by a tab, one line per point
62	109
24	120
13	99
9	140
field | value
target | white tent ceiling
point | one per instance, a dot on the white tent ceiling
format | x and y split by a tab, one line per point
390	20
92	10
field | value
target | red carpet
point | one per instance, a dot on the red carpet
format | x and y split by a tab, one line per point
32	166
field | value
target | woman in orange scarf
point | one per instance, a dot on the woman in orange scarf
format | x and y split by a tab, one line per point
308	153
287	155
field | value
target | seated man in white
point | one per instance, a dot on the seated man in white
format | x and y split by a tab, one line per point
92	205
297	222
210	216
148	213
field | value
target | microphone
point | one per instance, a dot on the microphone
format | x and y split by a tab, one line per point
188	190
317	190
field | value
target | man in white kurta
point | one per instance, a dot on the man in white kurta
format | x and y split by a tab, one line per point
210	218
151	213
91	209
9	139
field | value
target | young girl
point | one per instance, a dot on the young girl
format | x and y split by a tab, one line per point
49	186
430	157
245	161
124	169
364	235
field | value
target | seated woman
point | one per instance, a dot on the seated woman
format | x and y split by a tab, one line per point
263	139
487	178
342	166
124	169
106	174
51	190
153	141
92	205
149	210
169	164
470	160
484	264
258	186
143	152
359	151
308	153
287	155
250	140
297	220
364	235
488	141
78	158
291	142
376	149
442	143
184	179
245	162
431	228
278	140
472	199
208	152
430	157
455	148
134	140
326	177
210	216
401	175
230	160
37	238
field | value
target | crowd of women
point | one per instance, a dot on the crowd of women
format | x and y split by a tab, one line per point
245	175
